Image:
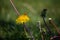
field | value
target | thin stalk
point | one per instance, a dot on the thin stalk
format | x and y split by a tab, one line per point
48	29
41	32
28	30
55	26
17	12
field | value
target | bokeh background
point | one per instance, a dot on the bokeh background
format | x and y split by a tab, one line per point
33	8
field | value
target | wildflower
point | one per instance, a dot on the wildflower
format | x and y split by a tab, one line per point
22	19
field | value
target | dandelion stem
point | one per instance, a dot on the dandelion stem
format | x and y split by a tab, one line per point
28	30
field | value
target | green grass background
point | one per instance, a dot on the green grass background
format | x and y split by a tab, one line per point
33	8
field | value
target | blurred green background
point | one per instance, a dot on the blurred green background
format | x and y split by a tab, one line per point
33	8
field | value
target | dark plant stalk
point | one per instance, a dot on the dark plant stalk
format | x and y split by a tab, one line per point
43	15
48	29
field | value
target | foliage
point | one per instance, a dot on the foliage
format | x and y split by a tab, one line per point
10	30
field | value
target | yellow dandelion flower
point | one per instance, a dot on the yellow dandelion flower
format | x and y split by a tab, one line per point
22	19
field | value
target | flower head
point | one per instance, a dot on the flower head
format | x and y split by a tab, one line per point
22	18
